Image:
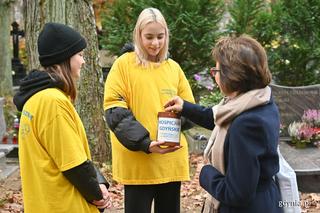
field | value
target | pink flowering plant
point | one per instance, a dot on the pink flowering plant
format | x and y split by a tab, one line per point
205	89
307	131
312	117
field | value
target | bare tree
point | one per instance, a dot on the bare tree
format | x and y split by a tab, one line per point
79	15
5	53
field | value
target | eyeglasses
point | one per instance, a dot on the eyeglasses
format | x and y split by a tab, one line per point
213	71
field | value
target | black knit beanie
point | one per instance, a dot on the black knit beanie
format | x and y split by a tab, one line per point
58	42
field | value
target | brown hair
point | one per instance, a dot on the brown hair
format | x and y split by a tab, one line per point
243	63
62	72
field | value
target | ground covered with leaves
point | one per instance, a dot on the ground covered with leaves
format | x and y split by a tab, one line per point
192	196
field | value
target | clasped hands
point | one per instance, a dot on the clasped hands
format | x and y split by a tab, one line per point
105	202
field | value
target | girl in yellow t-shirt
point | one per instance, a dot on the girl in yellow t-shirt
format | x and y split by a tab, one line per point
138	85
56	170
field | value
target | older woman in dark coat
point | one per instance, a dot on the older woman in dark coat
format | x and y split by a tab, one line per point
242	150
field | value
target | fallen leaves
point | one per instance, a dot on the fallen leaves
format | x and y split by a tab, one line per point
192	195
310	202
12	202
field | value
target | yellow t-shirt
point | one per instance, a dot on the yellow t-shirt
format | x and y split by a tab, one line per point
145	90
52	139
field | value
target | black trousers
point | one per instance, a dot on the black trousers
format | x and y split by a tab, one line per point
138	198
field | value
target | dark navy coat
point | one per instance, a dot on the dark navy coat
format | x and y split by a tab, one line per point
251	160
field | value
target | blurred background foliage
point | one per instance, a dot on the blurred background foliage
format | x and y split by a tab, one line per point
289	31
193	27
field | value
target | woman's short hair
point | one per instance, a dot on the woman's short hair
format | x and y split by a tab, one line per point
149	15
243	63
62	73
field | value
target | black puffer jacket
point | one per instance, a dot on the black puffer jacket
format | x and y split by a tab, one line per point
128	130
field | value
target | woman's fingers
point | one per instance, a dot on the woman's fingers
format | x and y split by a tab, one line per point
169	103
175	104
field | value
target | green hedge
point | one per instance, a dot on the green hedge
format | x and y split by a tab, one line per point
192	25
289	30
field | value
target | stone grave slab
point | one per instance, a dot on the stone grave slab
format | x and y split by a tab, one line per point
306	164
8	160
292	101
305	161
197	138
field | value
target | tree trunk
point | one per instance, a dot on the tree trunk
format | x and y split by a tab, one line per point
5	52
32	25
90	96
79	15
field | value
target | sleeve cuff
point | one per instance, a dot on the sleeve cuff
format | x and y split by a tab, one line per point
145	144
208	175
100	178
186	108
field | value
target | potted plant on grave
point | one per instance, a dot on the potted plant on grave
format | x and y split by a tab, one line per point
312	118
307	131
300	134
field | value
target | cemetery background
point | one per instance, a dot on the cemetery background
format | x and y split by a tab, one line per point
293	53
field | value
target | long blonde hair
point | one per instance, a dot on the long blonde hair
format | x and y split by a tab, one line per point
149	15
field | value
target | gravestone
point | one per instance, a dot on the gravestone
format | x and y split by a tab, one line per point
292	101
2	120
6	168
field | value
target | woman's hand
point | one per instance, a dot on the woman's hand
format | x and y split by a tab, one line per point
105	202
175	105
155	147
